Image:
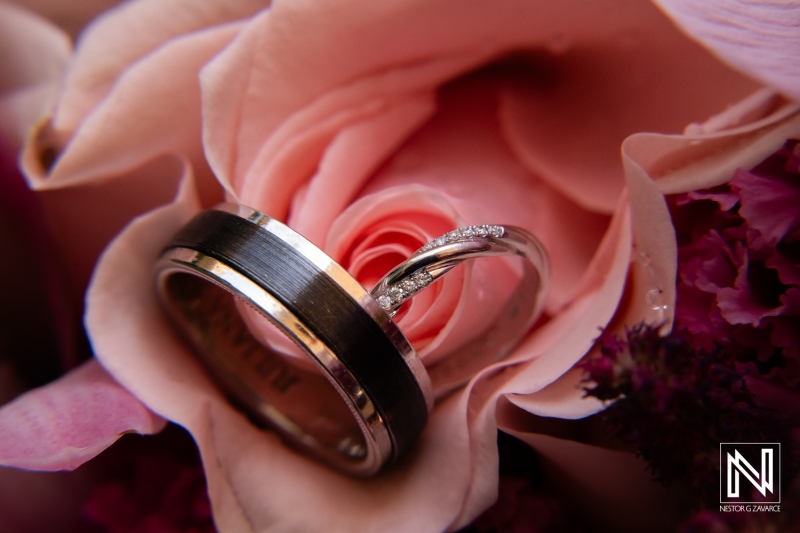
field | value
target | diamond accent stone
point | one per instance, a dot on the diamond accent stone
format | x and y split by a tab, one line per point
465	233
394	295
385	301
400	292
408	285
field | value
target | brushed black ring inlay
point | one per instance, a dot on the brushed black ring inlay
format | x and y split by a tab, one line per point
324	307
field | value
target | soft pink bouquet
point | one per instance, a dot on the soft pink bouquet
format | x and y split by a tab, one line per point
370	128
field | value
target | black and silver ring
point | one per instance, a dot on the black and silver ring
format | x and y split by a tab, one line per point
381	393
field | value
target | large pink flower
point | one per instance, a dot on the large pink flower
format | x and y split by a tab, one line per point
371	127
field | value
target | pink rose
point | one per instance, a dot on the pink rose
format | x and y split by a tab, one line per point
371	128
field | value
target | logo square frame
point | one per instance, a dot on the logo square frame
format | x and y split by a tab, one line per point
749	465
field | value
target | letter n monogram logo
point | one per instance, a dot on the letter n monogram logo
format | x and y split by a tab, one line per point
750	473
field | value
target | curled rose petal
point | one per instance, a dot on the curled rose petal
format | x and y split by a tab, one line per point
107	174
62	425
707	156
140	92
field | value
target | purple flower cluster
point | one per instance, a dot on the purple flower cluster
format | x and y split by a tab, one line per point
739	267
730	370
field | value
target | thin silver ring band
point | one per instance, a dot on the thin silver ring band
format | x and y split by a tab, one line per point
440	255
236	253
518	314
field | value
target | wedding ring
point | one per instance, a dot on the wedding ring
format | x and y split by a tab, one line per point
440	255
497	337
366	397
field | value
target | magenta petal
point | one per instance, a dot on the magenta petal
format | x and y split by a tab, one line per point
64	424
755	295
769	203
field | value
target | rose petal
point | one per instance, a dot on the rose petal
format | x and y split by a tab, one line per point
122	36
650	284
544	356
699	160
349	161
361	59
109	174
436	470
554	347
260	51
627	96
34	56
62	425
760	38
563	398
293	153
149	104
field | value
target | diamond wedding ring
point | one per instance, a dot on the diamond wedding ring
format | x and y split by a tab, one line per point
440	255
365	397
